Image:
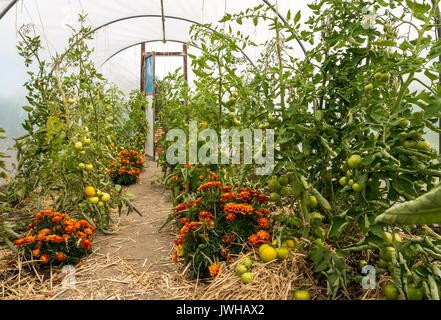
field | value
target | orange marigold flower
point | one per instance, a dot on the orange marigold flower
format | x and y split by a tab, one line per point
84	223
88	231
179	241
228	240
70	229
66	237
230	217
227	189
263	222
30	225
60	256
263	235
36	253
25	240
262	197
175	257
181	207
195	203
208	185
69	222
57	218
245	196
86	243
262	212
260	236
210	224
188	165
44	258
185	220
224	253
214	270
228	196
205	215
45	231
213	176
238	208
175	178
81	234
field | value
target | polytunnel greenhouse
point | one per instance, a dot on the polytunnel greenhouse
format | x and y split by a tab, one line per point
220	150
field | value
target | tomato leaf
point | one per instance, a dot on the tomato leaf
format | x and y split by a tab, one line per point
425	209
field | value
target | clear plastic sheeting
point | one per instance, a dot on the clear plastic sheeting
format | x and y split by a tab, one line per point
121	27
125	23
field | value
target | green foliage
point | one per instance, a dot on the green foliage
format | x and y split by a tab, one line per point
425	209
133	128
352	94
72	112
217	222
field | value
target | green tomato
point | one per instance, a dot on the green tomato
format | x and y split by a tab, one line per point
302	295
378	75
105	197
343	181
78	145
271	119
390	292
275	196
389	238
283	180
247	277
356	187
385	77
409	144
404	123
423	145
369	87
386	254
312	203
355	161
247	262
274	185
93	199
351	182
241	269
316	215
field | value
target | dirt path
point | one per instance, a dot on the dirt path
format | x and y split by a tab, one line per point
120	261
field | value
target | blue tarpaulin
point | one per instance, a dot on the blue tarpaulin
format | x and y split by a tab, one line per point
149	75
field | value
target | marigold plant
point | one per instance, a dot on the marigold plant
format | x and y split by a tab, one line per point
55	238
217	223
127	167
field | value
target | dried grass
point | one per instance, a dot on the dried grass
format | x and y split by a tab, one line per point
275	280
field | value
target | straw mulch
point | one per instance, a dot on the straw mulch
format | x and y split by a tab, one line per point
276	280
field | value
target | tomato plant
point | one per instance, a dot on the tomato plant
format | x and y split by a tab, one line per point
349	125
72	115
